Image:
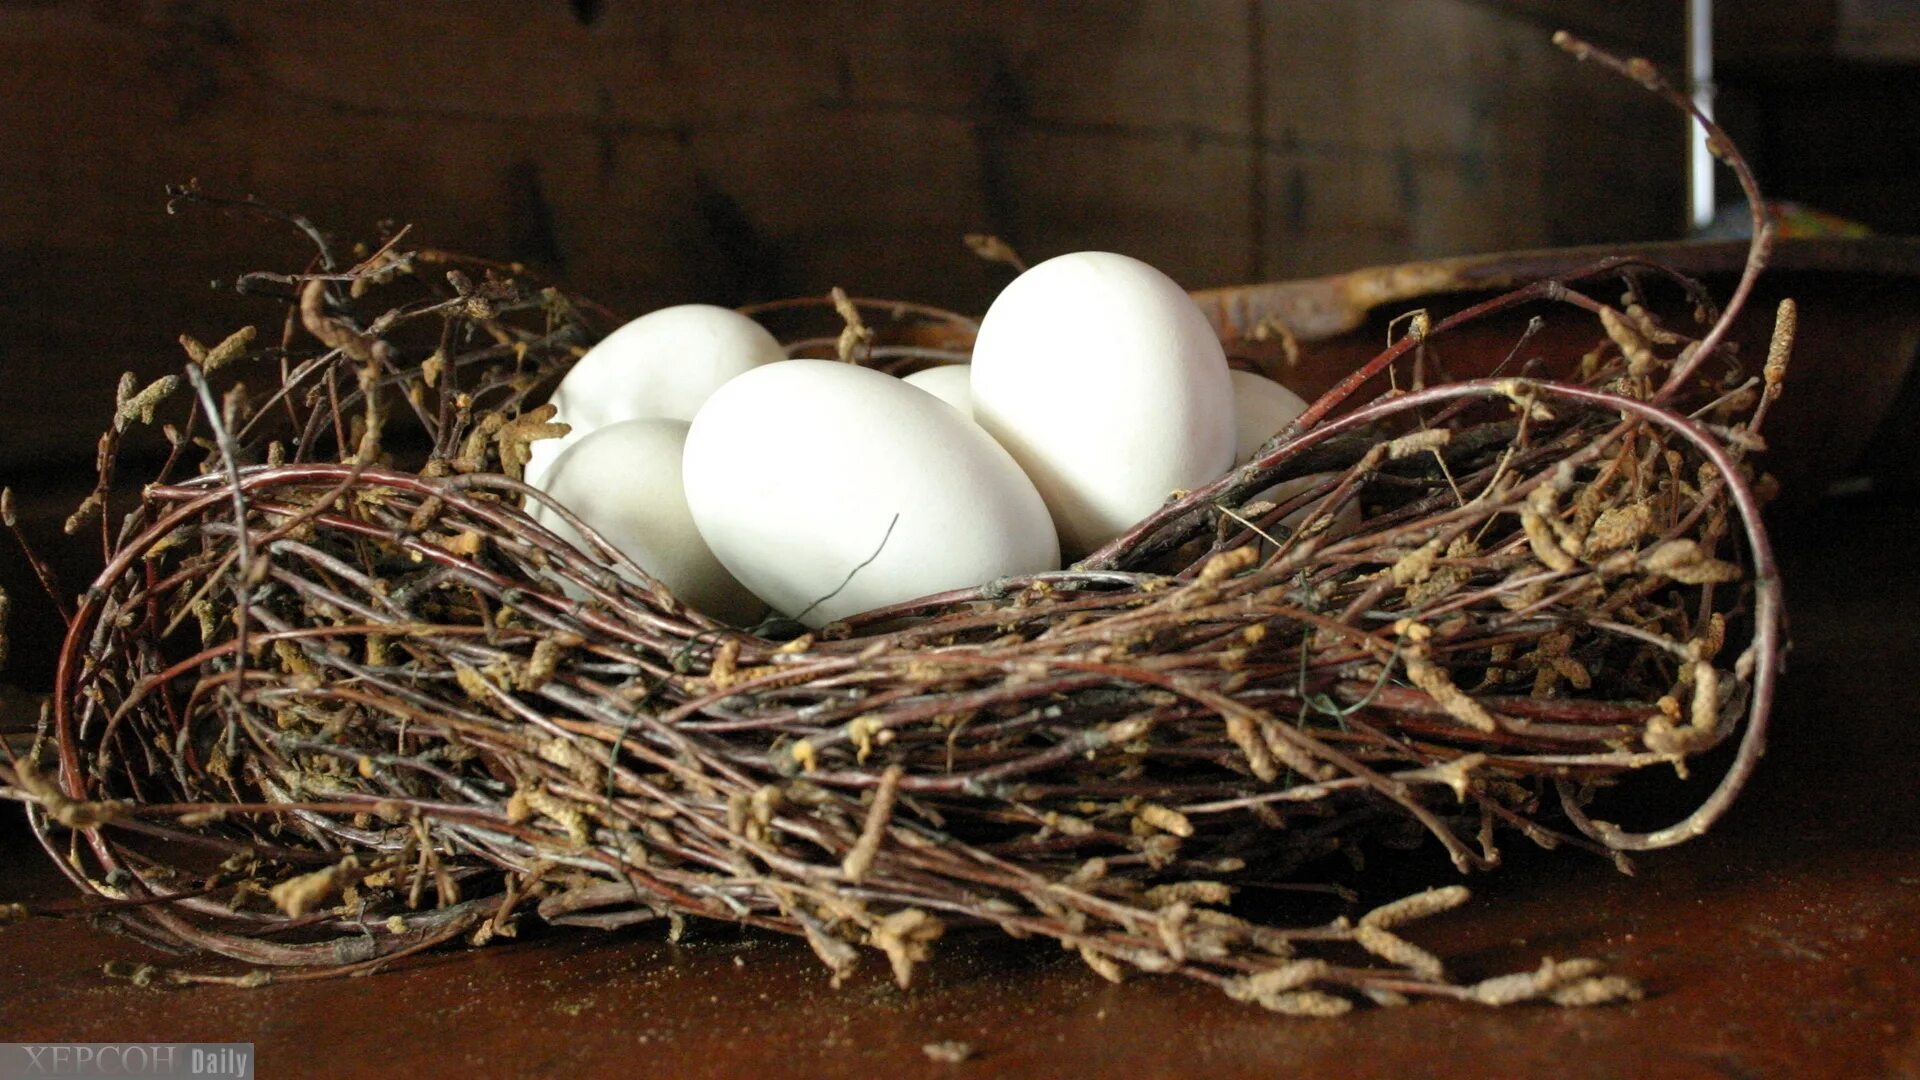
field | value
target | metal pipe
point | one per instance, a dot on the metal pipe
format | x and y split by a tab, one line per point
1700	201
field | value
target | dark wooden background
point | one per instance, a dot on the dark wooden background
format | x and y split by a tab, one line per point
734	150
655	152
731	151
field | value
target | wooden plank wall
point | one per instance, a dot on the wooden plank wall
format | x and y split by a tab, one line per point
728	150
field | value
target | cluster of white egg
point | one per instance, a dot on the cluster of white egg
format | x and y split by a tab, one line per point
744	481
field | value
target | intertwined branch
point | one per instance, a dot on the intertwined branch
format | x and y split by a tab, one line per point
336	697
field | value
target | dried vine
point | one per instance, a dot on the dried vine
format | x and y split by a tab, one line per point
332	700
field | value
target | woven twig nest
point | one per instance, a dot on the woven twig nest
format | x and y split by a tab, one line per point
336	697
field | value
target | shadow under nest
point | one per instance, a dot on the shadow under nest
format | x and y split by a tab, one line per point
336	698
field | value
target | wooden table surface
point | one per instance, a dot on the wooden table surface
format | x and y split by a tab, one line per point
1787	943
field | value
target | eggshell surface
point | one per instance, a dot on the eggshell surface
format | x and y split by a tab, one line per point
623	481
662	364
951	383
830	489
1261	407
1105	382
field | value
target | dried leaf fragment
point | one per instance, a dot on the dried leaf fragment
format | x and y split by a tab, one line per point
1307	1003
1633	344
1599	990
299	895
1226	564
517	436
131	405
1438	684
1619	527
1418	442
1194	892
905	936
567	754
948	1051
839	956
1245	733
1283	979
568	815
475	684
1418	906
1537	521
860	859
1104	966
1685	562
1786	323
72	813
1574	982
1166	820
231	348
856	333
1416	566
993	249
1394	949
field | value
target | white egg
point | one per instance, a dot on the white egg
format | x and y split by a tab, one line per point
1108	386
1260	408
664	363
951	383
830	489
623	481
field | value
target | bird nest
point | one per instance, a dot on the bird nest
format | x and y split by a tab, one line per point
337	698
